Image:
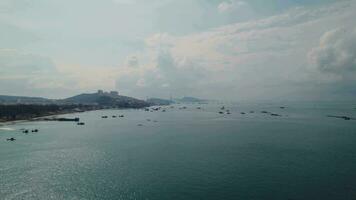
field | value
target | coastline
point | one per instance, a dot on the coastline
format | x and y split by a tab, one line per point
44	116
37	118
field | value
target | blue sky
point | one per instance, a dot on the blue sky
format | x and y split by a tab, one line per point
228	49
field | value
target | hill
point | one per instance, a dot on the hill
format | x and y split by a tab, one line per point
190	100
106	100
5	99
159	102
97	99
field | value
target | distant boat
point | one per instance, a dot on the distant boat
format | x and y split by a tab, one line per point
242	113
65	119
342	117
104	117
11	139
221	112
81	123
34	131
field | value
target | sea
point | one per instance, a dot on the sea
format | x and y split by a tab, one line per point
183	154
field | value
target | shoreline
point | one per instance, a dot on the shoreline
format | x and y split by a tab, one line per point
37	118
53	115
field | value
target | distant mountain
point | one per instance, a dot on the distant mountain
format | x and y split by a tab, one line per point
158	101
5	99
106	99
190	100
100	99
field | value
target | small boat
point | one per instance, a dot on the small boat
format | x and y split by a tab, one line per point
34	131
342	117
11	139
275	115
221	112
81	123
114	116
104	117
242	113
67	119
25	131
121	115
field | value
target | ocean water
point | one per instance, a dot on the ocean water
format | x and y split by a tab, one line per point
185	154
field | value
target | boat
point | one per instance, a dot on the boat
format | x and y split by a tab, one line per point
81	123
104	117
11	139
342	117
67	119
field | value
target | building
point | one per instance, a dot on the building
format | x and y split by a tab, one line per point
114	93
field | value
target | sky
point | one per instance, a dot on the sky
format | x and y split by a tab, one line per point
213	49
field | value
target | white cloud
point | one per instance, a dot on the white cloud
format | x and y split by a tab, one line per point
265	58
231	5
336	52
30	74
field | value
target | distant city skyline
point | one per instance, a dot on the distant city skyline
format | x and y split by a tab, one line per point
218	49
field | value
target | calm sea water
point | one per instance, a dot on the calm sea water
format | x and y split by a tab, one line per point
186	154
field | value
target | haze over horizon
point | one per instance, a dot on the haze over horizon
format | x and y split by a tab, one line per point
218	49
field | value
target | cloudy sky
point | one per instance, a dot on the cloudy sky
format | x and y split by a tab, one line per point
217	49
